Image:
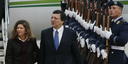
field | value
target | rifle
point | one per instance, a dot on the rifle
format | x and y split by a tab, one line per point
75	5
107	42
98	17
68	5
88	11
93	12
94	58
103	28
85	10
89	53
78	7
84	50
72	5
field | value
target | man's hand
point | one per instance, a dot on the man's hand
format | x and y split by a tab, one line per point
82	42
98	52
86	25
91	25
99	30
104	54
87	41
108	33
102	34
93	46
95	28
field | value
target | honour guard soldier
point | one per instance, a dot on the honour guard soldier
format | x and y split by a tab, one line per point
118	35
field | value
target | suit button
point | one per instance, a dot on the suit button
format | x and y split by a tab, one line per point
112	52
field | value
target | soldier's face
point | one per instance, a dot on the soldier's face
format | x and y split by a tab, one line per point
115	11
56	21
95	5
109	11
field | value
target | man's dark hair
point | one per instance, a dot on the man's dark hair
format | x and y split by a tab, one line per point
62	14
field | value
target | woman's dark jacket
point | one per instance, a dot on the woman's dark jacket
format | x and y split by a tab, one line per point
13	52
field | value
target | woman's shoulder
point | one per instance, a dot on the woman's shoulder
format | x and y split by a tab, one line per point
12	39
33	39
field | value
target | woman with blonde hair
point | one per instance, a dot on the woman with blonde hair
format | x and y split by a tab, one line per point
21	47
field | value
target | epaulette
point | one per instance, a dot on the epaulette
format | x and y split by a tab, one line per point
95	12
118	22
123	20
112	20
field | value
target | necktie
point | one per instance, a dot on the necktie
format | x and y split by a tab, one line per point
56	40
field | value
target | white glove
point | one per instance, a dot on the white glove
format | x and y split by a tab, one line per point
82	42
74	14
70	14
86	25
95	28
91	25
77	16
93	46
66	26
80	19
98	52
104	54
87	41
82	23
78	38
70	27
102	34
66	12
99	30
108	33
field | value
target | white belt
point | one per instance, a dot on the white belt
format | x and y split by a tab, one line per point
117	47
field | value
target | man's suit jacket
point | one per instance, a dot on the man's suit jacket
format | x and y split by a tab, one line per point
67	50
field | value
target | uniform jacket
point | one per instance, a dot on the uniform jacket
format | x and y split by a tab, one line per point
67	50
119	37
13	52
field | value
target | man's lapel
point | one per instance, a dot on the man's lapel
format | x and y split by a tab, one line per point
50	35
64	36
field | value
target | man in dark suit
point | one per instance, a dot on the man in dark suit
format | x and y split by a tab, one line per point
118	35
59	44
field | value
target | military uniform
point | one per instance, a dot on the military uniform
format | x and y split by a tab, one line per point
118	39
